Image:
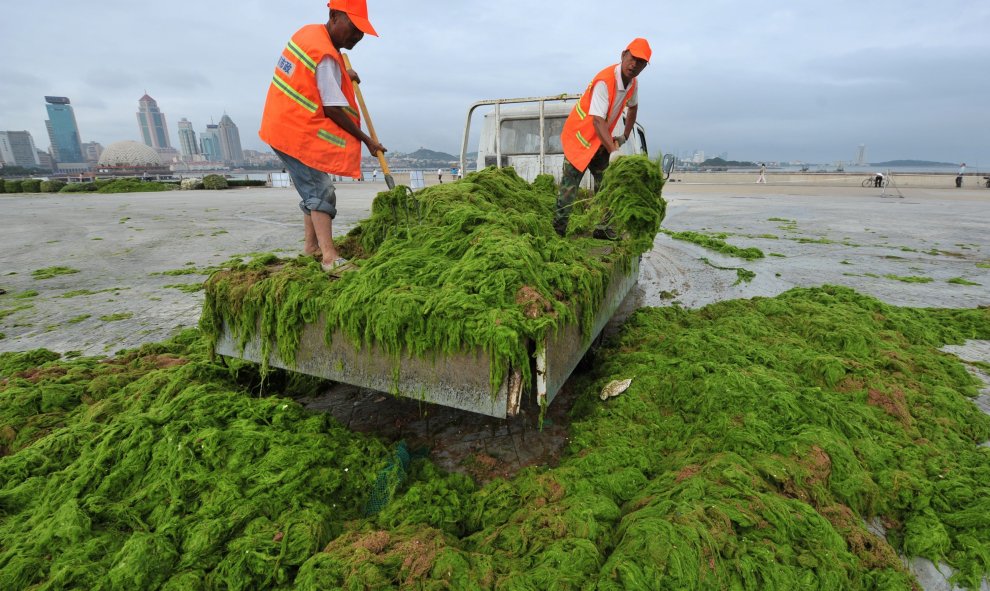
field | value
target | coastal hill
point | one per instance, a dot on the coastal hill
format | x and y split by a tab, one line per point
422	158
721	163
425	154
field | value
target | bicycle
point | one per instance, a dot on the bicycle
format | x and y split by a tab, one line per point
871	181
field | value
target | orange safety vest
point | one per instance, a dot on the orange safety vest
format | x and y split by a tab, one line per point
293	121
579	138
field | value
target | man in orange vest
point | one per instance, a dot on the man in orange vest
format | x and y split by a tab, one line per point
588	137
311	118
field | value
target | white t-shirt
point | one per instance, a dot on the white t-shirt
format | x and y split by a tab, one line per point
599	99
328	82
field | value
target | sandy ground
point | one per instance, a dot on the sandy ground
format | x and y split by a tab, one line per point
121	243
847	236
902	247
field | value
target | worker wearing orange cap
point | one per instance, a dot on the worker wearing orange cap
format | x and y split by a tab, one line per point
311	118
589	132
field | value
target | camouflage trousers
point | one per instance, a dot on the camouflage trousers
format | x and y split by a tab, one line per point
570	180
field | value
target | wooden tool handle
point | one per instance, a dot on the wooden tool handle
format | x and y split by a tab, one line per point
367	118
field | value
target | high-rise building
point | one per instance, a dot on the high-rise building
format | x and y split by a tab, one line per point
92	151
63	131
17	149
861	155
187	139
230	141
210	143
151	120
45	160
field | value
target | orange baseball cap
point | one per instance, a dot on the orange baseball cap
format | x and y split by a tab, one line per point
640	48
357	10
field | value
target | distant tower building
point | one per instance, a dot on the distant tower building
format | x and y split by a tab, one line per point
210	143
151	120
187	140
45	160
861	155
92	151
62	130
17	149
230	141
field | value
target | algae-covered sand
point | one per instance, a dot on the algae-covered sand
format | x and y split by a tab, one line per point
756	441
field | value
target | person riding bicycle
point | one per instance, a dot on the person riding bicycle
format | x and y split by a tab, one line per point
878	179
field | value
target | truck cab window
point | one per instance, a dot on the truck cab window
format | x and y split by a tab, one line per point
522	136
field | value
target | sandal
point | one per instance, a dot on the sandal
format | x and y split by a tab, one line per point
338	266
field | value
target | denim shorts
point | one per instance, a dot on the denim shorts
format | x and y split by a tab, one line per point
316	190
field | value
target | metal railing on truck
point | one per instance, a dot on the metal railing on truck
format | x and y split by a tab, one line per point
497	103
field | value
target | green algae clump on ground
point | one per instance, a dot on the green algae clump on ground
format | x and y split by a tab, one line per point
158	469
464	266
756	440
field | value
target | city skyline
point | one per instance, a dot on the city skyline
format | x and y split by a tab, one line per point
760	80
219	143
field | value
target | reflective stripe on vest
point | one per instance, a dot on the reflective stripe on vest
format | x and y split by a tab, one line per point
583	141
299	53
293	94
333	139
580	111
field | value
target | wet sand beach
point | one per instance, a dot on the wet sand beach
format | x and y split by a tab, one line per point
120	246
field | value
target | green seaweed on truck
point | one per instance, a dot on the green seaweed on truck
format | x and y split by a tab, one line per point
470	265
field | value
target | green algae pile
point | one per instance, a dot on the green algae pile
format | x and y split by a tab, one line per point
471	265
755	441
158	469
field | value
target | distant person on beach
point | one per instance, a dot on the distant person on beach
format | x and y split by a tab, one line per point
878	179
311	119
440	175
374	175
959	177
763	174
588	136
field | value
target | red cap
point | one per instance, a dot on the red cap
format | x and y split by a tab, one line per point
640	48
357	10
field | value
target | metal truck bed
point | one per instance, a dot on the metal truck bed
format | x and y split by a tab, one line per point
456	380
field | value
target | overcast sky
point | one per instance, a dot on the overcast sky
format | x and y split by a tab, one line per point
759	80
